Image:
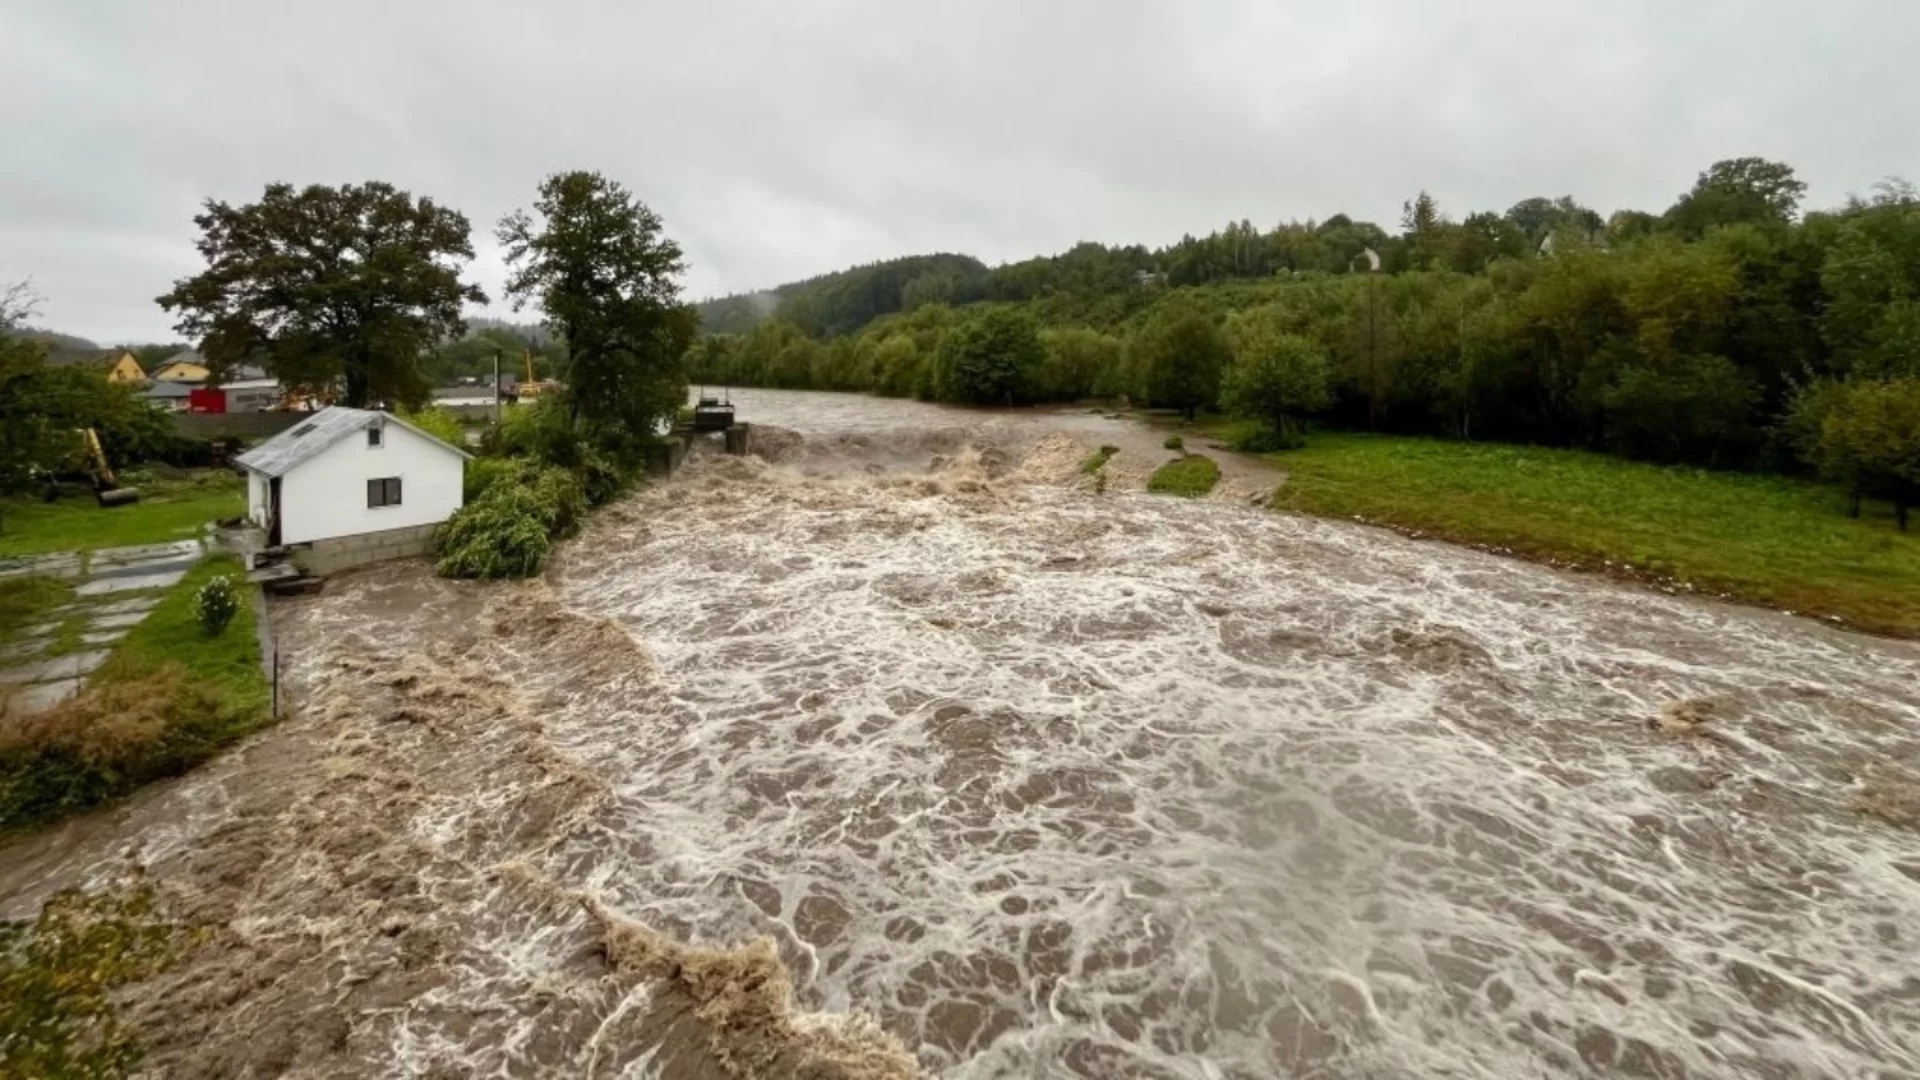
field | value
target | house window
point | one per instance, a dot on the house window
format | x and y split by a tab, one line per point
384	492
373	437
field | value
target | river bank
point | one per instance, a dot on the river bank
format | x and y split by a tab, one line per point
1005	776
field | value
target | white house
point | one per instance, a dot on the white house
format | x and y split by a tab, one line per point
349	486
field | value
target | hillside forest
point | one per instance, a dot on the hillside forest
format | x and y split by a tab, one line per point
1730	331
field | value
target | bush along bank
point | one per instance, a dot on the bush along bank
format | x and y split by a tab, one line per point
539	480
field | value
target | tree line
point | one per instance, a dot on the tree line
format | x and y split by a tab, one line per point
1729	331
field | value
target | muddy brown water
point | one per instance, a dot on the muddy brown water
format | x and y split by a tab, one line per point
906	751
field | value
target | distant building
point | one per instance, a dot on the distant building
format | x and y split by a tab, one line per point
466	395
185	366
237	396
1150	279
171	396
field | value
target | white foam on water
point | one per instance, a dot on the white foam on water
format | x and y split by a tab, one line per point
1121	785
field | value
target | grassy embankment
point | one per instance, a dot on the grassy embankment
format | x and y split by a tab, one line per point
1770	540
1190	476
167	699
169	509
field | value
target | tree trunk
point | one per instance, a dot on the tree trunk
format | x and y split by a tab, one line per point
1900	514
1853	503
358	389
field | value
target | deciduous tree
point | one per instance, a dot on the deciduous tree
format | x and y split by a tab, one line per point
1178	355
328	287
1750	190
600	266
1276	376
992	358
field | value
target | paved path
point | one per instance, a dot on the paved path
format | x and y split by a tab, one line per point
114	590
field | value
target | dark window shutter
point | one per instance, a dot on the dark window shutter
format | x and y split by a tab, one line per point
375	492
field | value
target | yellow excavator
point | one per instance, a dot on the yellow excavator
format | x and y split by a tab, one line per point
533	387
106	489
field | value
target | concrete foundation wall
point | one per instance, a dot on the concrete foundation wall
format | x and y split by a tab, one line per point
323	557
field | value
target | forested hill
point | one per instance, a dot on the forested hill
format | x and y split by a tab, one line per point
845	301
1097	283
55	340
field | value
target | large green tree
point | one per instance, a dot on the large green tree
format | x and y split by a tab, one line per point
598	263
330	288
1870	441
993	358
1276	376
1178	355
1747	190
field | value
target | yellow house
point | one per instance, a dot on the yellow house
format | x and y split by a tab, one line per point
122	367
182	367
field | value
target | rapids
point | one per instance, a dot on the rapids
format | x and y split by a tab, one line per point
1010	778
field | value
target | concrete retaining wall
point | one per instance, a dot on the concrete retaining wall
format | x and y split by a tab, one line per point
665	456
323	557
474	412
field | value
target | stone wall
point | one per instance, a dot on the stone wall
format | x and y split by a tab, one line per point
323	557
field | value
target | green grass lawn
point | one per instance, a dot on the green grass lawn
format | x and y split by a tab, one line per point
171	635
1191	476
169	509
28	600
1770	540
169	697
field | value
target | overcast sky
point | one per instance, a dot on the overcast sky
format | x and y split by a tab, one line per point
785	138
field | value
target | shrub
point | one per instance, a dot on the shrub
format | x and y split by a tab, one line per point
1263	438
563	502
1096	462
1175	442
540	430
217	602
507	534
483	473
601	479
119	734
1190	477
440	424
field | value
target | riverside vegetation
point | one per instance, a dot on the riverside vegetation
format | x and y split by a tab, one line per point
1729	332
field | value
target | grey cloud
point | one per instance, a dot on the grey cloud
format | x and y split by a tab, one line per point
787	139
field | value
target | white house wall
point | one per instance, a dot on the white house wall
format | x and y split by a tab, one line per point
257	508
326	496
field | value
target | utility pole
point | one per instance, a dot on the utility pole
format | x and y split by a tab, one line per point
496	388
1373	352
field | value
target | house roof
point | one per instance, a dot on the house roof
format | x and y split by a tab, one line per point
304	441
164	389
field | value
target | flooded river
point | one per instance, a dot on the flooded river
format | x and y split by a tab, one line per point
1004	776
